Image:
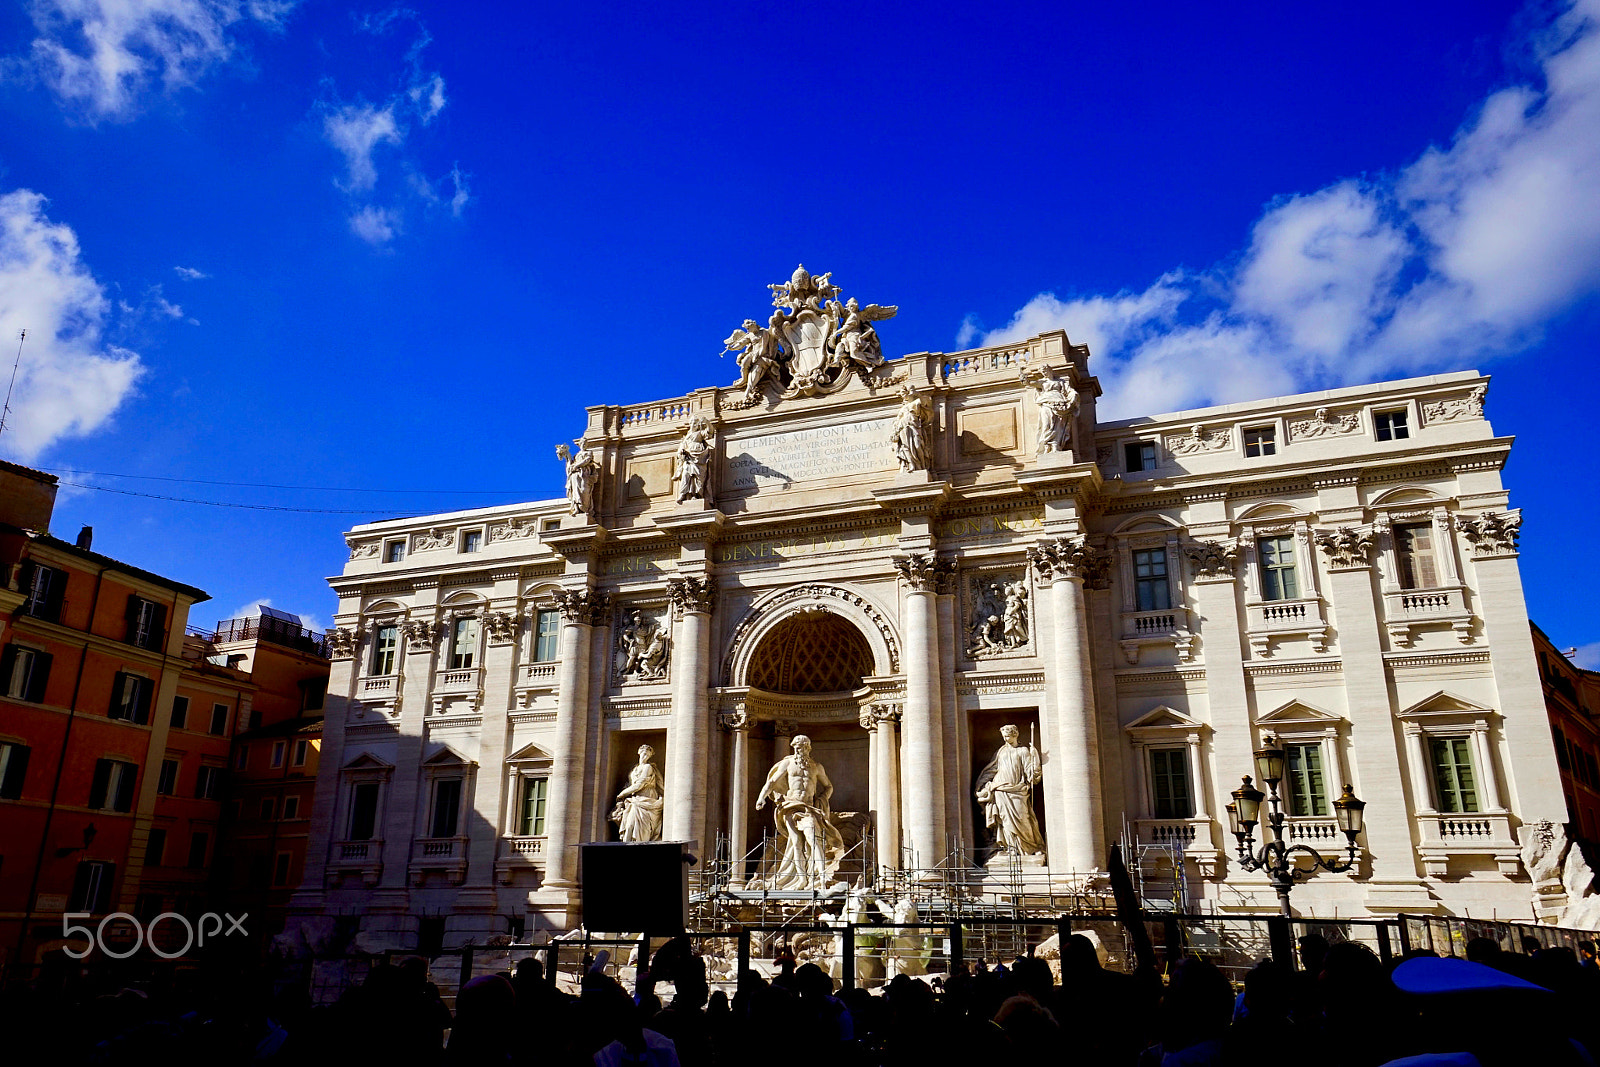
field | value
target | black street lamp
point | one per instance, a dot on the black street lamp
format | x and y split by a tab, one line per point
1275	857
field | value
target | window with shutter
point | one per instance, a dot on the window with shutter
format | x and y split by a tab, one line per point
1308	792
24	672
1453	775
157	847
531	818
1151	591
169	777
46	587
1169	776
446	806
1277	568
363	811
13	770
180	712
548	629
99	784
1413	546
91	887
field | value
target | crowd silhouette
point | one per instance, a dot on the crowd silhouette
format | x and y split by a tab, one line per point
1340	1006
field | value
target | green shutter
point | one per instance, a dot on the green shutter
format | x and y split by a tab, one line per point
1453	774
1308	792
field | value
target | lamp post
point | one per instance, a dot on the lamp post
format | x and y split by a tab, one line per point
1276	857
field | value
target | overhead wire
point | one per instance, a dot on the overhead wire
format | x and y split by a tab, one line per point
272	485
251	507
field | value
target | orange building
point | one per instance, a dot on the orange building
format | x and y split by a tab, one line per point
138	755
1572	697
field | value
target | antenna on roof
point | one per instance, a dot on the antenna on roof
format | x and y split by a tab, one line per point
6	410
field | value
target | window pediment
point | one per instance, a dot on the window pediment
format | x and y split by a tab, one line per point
1163	724
446	757
1445	706
1299	714
366	761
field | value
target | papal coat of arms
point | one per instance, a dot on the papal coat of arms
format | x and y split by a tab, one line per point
812	345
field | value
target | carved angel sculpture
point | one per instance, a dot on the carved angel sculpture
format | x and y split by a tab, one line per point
909	431
758	349
583	470
856	342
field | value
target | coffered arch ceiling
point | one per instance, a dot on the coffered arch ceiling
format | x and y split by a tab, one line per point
813	652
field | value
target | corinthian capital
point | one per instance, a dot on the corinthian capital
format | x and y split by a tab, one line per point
583	606
1346	546
692	594
924	574
1494	533
1212	559
1070	557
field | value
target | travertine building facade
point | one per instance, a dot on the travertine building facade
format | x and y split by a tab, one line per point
897	558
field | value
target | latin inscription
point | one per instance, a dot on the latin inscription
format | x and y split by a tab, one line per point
779	460
789	547
633	565
988	525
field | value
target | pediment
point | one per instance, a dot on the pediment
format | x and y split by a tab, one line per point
366	761
1298	712
446	756
1164	718
1444	703
528	752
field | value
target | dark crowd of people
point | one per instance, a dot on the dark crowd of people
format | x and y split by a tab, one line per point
1341	1006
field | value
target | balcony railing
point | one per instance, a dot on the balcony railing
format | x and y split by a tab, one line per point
380	685
457	681
1406	609
356	859
1269	619
1313	831
276	631
1471	834
440	847
1150	623
527	847
1189	838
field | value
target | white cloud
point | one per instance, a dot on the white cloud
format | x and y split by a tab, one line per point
1463	254
375	225
101	56
458	199
70	380
1587	657
356	130
189	274
252	609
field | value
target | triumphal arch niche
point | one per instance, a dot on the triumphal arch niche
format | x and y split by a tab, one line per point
865	570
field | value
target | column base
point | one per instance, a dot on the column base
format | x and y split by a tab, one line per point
558	908
1392	898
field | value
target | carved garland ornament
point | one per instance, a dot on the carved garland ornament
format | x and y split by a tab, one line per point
434	539
1323	424
1212	559
363	549
420	634
1461	407
1198	439
1346	546
1494	533
513	528
502	626
810	592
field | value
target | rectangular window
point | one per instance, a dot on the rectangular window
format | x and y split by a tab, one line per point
550	524
130	698
219	719
45	586
1261	441
463	643
1277	569
1169	777
280	869
547	635
1453	775
111	789
363	811
146	622
13	770
394	551
291	808
301	750
530	814
180	712
1151	591
91	887
24	672
241	758
1413	548
207	782
1139	456
1307	786
156	848
384	643
278	750
313	691
1390	425
197	848
472	540
168	779
446	807
268	809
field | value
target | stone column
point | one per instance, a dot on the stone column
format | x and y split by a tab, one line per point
957	745
345	650
1222	629
405	807
880	719
1071	564
483	828
922	721
737	724
688	738
564	812
1374	732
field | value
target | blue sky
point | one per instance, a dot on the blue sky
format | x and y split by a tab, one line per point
389	248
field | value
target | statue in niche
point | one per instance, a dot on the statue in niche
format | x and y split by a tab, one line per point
1005	789
759	349
1057	401
999	618
809	845
644	648
638	810
909	431
693	464
583	470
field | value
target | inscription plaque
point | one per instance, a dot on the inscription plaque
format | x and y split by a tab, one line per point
779	460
